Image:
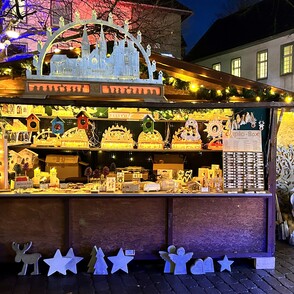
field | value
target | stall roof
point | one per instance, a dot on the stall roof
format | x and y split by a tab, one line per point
185	71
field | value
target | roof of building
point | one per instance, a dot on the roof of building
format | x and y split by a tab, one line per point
170	4
257	22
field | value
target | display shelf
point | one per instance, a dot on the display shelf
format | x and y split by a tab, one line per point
111	119
116	150
12	194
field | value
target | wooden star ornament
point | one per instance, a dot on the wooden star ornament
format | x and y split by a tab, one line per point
72	264
225	264
57	263
120	261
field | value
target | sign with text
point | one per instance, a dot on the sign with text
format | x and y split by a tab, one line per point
243	140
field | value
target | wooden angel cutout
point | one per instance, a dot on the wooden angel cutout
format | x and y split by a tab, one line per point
169	265
180	259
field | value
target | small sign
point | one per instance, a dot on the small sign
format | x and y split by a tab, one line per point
243	140
130	252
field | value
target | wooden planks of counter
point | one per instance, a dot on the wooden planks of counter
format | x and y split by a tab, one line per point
208	225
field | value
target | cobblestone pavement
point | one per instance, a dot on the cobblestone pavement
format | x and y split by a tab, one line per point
148	277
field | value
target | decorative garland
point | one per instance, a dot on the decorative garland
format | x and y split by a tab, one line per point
200	93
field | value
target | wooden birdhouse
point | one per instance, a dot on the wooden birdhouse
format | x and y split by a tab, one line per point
83	120
57	126
29	157
14	158
33	123
148	124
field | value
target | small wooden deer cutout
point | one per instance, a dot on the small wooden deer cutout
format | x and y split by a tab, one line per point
27	259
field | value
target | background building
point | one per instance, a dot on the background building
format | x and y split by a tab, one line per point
255	43
159	22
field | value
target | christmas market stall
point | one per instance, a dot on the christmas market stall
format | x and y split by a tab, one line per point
138	151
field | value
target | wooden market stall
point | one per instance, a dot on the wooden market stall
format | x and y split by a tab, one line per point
237	220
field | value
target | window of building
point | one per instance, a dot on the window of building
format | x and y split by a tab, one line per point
217	66
61	8
236	67
261	65
16	48
287	59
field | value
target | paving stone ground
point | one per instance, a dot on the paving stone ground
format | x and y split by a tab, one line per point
147	277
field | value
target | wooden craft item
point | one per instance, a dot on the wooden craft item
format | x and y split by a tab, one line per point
110	184
117	137
100	266
57	125
148	124
169	265
197	268
187	137
46	138
33	123
57	263
93	259
225	264
208	265
150	140
72	264
83	120
201	266
27	259
120	261
180	259
75	137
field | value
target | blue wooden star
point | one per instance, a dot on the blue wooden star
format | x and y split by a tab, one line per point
57	263
72	265
120	261
225	264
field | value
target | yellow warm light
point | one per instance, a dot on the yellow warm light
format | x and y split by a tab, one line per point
171	80
288	99
57	50
257	99
219	92
272	92
12	34
193	88
227	90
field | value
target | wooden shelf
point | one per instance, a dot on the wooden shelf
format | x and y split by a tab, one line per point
112	150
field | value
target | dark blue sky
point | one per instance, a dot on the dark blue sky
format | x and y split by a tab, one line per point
205	12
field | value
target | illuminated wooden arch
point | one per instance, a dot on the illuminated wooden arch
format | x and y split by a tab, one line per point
39	61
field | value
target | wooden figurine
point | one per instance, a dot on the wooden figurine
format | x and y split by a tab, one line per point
92	260
169	265
57	125
72	264
33	123
201	267
197	268
225	264
100	267
83	120
57	263
27	259
120	261
180	259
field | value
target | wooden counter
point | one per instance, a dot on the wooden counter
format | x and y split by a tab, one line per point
237	225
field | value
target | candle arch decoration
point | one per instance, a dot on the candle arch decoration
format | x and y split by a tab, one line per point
39	60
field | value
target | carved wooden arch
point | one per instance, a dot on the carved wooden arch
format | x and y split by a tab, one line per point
124	30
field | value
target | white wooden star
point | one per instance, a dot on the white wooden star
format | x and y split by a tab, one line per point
72	265
57	263
120	261
225	264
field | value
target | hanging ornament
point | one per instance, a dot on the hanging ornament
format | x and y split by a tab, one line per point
261	125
